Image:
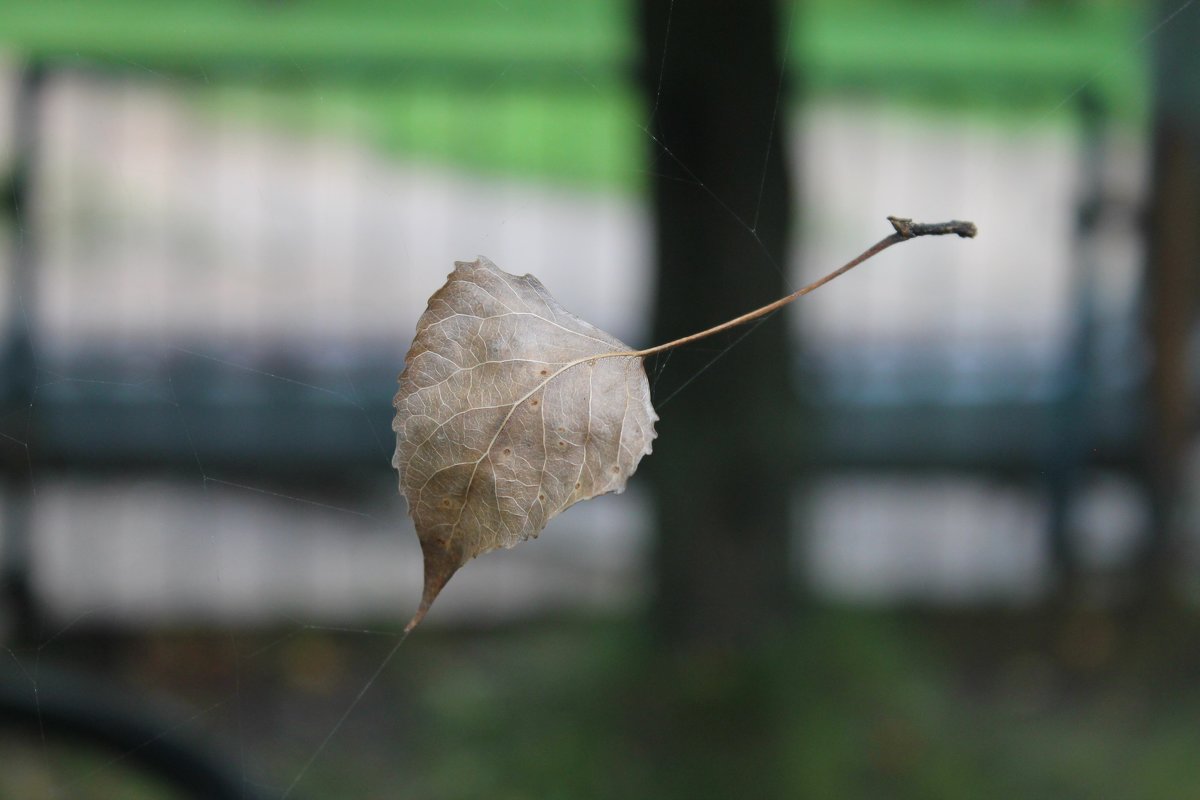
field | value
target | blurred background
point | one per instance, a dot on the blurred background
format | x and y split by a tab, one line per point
930	533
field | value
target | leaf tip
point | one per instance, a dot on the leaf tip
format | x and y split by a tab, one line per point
417	617
442	560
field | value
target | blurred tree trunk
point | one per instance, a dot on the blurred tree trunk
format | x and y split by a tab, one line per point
1173	282
712	78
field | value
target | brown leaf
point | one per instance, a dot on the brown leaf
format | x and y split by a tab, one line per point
510	410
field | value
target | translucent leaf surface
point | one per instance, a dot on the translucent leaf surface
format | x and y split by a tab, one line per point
510	410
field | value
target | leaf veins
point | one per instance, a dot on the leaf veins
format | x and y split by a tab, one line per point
510	410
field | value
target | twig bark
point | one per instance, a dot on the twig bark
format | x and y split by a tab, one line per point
910	230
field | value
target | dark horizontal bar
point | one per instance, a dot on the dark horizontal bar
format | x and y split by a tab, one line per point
206	414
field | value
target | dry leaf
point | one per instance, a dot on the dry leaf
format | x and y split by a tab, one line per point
510	410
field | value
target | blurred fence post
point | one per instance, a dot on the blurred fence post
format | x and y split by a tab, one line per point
17	368
1172	285
1072	425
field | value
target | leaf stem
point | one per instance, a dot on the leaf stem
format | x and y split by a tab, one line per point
905	229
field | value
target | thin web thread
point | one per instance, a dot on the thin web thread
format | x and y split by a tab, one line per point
662	65
752	227
1104	69
337	726
230	639
783	67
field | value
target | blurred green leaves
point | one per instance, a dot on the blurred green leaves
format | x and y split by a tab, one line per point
540	89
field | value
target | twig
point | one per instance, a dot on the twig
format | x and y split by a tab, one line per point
905	229
910	230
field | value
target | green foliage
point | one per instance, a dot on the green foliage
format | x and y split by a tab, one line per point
848	705
176	34
539	88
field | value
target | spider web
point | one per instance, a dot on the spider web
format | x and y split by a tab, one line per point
186	262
